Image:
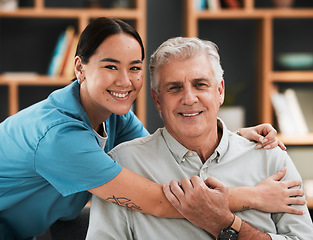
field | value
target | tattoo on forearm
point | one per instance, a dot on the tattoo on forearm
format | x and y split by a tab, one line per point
245	208
125	202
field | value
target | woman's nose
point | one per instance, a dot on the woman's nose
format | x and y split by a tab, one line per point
123	80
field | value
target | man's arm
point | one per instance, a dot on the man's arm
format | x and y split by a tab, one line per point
212	212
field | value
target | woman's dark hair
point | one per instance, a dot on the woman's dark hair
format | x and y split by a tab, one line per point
100	29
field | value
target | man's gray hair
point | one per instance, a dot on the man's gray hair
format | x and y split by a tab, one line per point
183	48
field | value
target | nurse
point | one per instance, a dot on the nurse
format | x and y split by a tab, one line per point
53	154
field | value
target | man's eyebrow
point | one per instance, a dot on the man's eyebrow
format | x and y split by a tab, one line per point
177	83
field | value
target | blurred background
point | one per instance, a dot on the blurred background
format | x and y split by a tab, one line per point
260	55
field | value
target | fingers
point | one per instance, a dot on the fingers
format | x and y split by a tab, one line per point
214	183
281	145
170	196
294	210
293	183
296	201
279	175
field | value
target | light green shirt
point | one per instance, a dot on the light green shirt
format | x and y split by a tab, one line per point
161	158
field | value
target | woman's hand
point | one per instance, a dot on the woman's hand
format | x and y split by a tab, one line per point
273	195
264	134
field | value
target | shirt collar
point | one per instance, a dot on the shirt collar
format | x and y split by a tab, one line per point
223	145
179	151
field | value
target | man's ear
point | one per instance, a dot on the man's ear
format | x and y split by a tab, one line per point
156	100
221	91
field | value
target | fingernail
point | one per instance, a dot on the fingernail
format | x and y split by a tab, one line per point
267	147
264	140
258	146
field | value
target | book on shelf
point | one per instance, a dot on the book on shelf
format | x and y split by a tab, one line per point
231	4
62	52
212	5
305	98
201	5
290	117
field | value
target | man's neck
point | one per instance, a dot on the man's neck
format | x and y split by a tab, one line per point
206	145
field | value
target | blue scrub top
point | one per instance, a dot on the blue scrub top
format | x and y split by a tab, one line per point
49	157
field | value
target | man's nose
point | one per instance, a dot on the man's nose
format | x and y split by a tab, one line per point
189	96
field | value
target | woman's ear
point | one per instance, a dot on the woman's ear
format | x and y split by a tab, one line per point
78	69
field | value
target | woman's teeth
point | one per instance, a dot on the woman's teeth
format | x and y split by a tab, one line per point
119	95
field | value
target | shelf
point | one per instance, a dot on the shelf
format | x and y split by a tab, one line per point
39	80
83	16
296	139
72	13
13	84
266	27
292	76
254	14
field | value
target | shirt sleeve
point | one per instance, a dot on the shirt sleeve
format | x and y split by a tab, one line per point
109	221
124	128
291	226
69	157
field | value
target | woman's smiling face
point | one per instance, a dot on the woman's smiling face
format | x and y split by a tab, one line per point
112	78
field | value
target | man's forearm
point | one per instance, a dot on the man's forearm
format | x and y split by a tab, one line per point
249	232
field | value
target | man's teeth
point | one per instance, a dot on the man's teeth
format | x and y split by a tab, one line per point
190	115
120	95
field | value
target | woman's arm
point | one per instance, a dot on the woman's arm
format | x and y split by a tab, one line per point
270	195
135	192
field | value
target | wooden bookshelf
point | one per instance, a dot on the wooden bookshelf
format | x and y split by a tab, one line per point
83	17
267	77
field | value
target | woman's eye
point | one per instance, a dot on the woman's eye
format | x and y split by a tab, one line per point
135	68
111	67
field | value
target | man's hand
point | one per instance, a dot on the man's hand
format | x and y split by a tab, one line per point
274	195
203	203
264	134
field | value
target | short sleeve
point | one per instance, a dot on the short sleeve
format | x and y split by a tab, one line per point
69	157
122	128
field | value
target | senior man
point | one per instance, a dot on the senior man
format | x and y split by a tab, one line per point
188	89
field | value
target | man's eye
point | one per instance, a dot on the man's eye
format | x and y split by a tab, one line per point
174	89
200	85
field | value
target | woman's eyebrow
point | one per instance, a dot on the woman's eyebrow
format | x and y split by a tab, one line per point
109	60
117	61
136	61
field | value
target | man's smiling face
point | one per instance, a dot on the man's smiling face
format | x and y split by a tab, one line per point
189	97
